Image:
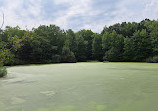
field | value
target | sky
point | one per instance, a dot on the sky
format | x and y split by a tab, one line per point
76	14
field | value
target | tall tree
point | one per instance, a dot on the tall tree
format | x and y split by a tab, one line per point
154	37
87	36
70	41
97	47
81	48
113	44
137	48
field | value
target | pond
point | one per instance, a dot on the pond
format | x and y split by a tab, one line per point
80	87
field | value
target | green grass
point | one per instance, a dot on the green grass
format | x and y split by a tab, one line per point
92	61
105	61
81	87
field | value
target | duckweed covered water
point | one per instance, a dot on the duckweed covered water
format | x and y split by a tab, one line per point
81	87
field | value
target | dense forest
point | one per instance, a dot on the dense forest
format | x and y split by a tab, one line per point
128	42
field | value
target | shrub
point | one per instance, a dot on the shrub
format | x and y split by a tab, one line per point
112	55
68	56
20	62
56	59
3	71
152	59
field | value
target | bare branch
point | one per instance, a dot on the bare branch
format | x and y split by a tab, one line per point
2	21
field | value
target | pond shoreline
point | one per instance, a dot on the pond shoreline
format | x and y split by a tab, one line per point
78	62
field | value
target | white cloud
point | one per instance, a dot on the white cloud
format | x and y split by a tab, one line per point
16	14
79	14
151	9
148	9
79	7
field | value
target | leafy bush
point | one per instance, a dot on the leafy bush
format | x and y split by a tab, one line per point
112	55
56	59
68	56
3	71
152	59
20	62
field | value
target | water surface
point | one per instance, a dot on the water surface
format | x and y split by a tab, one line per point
81	87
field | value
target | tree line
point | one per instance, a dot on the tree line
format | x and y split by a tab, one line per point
128	42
